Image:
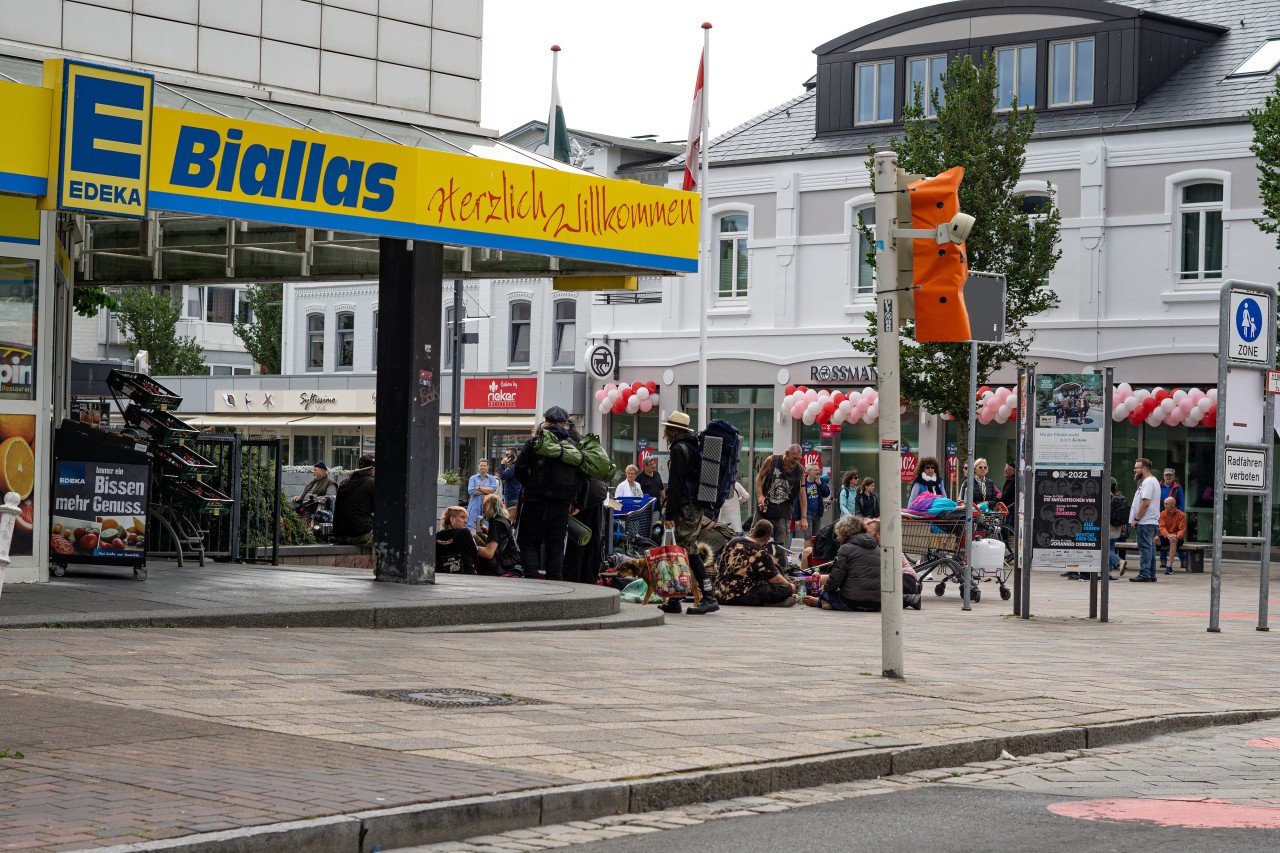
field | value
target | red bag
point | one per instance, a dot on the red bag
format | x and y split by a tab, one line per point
669	568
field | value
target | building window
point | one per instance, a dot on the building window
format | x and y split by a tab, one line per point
864	282
220	304
1264	60
229	370
193	302
346	450
1200	217
346	341
375	340
874	98
733	256
1015	77
308	449
451	332
928	74
315	342
1071	72
566	331
1036	204
519	337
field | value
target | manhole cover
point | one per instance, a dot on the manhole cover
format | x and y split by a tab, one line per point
448	697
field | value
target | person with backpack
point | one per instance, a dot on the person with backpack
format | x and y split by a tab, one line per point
683	512
866	504
849	494
550	487
777	485
1119	520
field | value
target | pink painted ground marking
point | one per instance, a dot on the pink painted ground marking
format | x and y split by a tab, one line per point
1191	814
1205	614
1264	742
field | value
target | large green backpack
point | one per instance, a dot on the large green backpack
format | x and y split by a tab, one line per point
588	454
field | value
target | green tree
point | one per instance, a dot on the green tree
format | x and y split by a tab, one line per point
149	320
1006	239
1266	147
261	334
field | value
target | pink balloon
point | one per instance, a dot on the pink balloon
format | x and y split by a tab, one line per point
646	405
797	411
1174	418
984	417
601	394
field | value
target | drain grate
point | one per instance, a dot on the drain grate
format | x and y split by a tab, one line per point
448	697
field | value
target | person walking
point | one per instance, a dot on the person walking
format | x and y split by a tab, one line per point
1145	517
849	494
777	485
681	512
866	504
550	487
482	483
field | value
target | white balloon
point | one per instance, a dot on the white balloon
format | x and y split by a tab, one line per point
1212	394
1179	396
1124	388
1153	419
1166	405
605	406
1003	413
809	417
855	397
1118	414
1194	418
1142	394
837	417
633	404
1205	404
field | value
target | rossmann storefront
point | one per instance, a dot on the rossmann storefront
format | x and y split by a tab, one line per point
108	178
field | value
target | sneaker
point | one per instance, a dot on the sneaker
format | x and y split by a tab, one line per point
911	602
708	605
672	605
1124	567
1142	579
1169	570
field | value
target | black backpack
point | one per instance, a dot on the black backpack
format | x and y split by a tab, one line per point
1119	510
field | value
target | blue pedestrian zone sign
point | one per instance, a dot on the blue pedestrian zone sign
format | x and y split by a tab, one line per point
1248	330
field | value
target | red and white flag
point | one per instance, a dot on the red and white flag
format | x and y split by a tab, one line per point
696	123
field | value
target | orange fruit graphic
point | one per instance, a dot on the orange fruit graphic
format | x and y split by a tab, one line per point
17	467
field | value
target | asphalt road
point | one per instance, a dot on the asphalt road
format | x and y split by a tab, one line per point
935	818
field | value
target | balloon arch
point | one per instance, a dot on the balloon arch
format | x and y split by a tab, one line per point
1154	406
628	399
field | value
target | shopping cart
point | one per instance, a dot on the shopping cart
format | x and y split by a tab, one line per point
936	548
633	525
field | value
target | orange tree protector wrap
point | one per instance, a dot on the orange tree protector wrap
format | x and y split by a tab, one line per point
939	269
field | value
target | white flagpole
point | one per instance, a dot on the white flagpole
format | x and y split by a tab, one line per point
704	269
540	321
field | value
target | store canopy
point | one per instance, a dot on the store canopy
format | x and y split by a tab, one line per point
244	187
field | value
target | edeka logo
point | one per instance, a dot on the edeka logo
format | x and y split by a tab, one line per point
301	172
106	140
71	474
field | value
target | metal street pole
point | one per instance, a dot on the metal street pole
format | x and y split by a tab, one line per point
967	574
455	408
890	467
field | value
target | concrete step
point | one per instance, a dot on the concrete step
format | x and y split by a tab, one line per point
630	617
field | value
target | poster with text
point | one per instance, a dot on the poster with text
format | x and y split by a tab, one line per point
99	512
1070	420
1068	524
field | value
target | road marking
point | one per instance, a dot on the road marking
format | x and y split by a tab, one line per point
1192	814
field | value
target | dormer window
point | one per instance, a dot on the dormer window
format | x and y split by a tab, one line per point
874	92
1264	60
1071	72
1015	76
929	73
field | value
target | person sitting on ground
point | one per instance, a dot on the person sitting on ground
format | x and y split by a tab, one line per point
1173	533
748	574
822	548
353	514
498	556
927	480
866	504
455	543
315	493
854	581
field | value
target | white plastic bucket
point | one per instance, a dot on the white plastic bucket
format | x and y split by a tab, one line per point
988	554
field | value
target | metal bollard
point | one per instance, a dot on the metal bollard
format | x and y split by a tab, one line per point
9	513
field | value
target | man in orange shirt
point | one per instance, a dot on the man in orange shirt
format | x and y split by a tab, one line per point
1173	531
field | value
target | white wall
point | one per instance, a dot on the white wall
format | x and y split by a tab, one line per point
407	54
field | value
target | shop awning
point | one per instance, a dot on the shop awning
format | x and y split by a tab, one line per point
306	421
238	420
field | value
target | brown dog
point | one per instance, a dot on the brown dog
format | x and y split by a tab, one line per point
639	567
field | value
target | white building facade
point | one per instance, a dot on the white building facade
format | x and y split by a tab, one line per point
1144	148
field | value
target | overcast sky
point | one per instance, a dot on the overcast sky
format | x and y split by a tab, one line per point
629	68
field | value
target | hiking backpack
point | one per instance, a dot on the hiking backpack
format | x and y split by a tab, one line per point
718	448
1119	510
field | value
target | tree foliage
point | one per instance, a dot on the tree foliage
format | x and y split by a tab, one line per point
1266	147
88	301
261	335
1024	248
149	320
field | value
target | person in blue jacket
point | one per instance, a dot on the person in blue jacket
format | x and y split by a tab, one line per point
511	487
813	491
849	494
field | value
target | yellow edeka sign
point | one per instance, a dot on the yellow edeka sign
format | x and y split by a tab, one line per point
103	128
292	176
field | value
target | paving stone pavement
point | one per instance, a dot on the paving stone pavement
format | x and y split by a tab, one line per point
741	686
1217	763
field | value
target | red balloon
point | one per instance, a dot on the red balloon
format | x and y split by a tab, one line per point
823	417
1161	395
801	388
790	389
624	394
838	397
636	386
1135	417
652	386
984	389
828	407
619	406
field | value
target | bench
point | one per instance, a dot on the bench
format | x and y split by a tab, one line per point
1191	554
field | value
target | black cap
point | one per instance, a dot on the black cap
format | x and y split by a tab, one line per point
555	415
321	465
365	461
